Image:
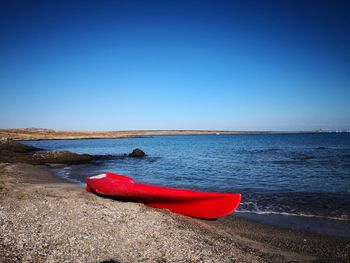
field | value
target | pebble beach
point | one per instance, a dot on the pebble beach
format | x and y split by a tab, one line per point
45	219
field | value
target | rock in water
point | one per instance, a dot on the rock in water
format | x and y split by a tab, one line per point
137	153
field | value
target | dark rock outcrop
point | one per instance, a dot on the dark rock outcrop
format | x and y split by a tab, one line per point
15	152
137	153
6	144
8	156
61	157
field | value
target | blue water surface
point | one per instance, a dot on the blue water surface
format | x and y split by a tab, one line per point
292	174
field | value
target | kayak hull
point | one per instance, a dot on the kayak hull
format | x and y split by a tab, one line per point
207	205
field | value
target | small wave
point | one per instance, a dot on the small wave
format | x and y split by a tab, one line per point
303	157
342	218
321	148
260	151
294	161
64	174
257	210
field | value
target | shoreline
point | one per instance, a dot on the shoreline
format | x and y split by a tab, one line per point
45	134
310	224
44	217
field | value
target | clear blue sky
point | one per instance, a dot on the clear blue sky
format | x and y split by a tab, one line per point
125	65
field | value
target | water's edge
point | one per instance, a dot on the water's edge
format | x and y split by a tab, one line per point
305	223
323	226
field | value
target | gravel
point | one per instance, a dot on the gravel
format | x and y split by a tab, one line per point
43	219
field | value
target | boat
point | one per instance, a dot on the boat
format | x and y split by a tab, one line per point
205	205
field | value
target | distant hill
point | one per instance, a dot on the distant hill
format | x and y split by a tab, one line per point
47	134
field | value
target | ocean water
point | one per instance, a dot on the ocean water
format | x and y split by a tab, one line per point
304	175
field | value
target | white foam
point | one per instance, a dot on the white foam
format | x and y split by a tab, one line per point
341	217
64	173
254	209
99	176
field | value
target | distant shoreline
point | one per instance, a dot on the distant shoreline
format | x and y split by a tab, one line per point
46	134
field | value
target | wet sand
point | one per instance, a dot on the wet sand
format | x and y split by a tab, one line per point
45	219
319	225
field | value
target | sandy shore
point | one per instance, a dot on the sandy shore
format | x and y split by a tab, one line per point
45	219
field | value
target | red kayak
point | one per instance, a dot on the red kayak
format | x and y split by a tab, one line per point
207	205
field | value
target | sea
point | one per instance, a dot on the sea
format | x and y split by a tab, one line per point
293	180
